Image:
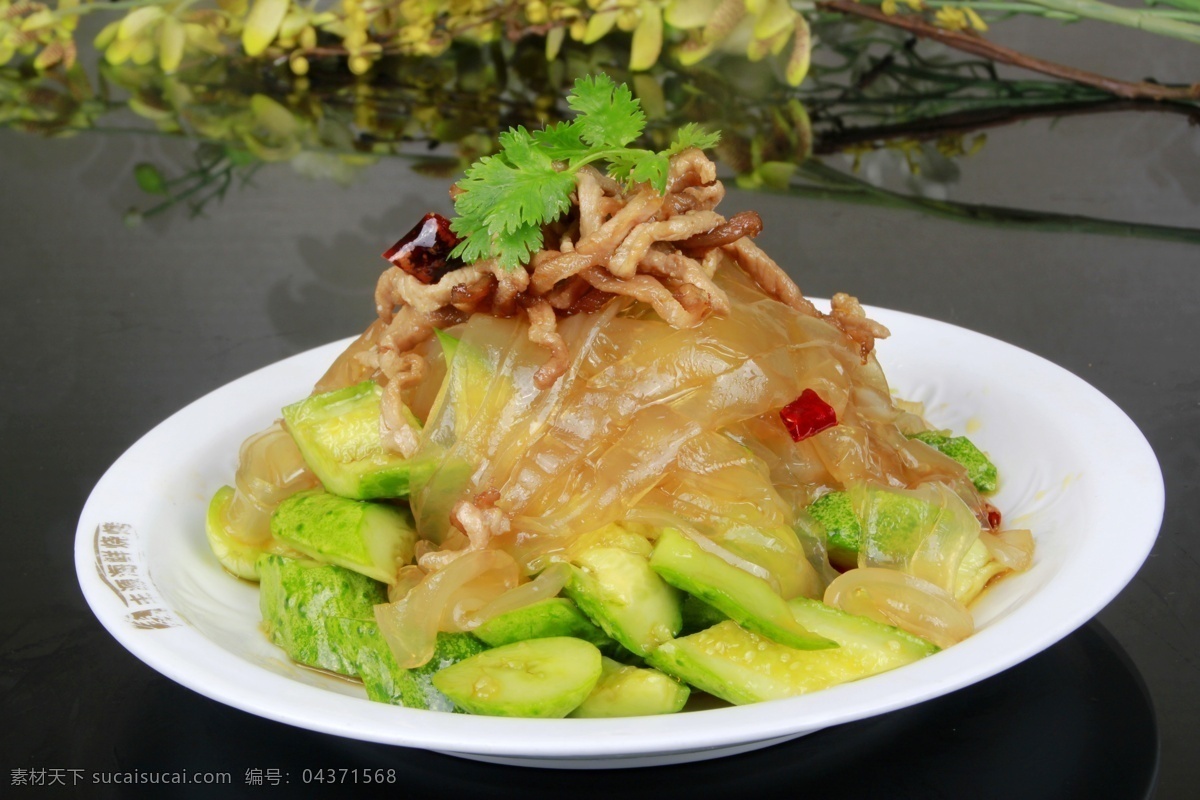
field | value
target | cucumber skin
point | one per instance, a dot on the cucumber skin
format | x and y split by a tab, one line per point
729	673
851	630
554	616
979	467
743	667
331	528
296	598
843	531
579	660
698	615
385	681
747	599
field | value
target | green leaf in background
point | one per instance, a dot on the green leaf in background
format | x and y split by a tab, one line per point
149	179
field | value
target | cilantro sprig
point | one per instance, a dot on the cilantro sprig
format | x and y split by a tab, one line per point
507	198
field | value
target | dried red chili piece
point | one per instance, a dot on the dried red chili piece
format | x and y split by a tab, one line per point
424	252
808	414
993	516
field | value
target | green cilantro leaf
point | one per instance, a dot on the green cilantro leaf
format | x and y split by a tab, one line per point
476	244
517	246
501	202
518	149
608	114
562	142
505	199
641	166
692	135
508	196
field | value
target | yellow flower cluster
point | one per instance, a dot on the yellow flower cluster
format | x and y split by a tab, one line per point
890	7
162	32
29	27
167	32
761	27
949	17
298	33
959	18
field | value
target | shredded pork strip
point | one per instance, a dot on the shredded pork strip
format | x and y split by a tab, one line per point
396	431
659	250
480	524
769	275
543	331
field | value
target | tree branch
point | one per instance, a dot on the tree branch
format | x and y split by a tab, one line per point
974	44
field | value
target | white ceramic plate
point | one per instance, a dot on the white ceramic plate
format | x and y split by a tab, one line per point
1074	469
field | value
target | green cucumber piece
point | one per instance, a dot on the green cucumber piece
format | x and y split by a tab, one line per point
844	538
742	667
338	435
384	680
544	678
370	538
620	593
698	615
980	468
611	535
554	616
625	691
747	599
297	598
238	557
865	636
843	531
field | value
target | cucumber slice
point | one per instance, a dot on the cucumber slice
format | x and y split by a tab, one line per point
742	667
744	598
865	636
384	680
843	531
620	593
699	615
844	539
297	598
611	535
239	557
980	468
370	538
544	678
625	691
338	435
554	616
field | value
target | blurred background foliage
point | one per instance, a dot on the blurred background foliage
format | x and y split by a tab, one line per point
871	88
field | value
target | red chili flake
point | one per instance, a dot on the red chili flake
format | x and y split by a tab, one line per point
424	252
993	516
808	414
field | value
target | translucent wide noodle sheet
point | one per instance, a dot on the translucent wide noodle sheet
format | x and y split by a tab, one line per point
489	412
444	600
924	531
903	600
649	391
680	423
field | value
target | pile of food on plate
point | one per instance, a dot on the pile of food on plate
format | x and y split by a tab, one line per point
597	452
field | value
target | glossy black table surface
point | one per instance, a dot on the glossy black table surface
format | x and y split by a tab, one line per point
107	330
